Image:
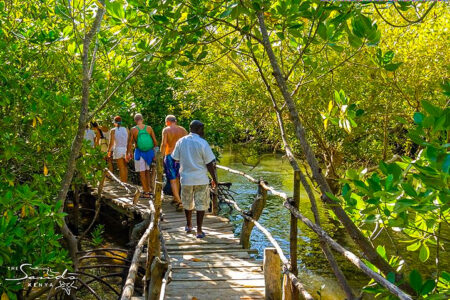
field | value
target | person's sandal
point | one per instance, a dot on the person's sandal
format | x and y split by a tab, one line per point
201	235
188	229
179	206
145	195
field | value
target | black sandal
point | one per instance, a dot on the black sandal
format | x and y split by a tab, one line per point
145	195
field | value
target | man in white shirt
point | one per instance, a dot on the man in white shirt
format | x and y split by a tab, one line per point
196	160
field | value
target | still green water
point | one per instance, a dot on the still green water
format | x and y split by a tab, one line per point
314	270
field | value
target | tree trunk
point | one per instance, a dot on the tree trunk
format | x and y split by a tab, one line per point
351	228
78	140
330	257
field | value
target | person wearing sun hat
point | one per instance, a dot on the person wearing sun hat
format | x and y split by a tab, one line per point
118	147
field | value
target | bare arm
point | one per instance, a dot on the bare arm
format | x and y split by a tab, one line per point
163	141
212	171
111	142
130	141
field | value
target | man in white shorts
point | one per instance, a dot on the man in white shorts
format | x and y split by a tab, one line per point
196	160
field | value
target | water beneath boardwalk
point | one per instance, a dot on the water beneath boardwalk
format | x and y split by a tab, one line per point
313	267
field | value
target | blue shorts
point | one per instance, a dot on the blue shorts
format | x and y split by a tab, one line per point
171	168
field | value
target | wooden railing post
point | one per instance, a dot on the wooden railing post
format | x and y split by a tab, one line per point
159	269
272	274
294	230
255	212
154	244
215	202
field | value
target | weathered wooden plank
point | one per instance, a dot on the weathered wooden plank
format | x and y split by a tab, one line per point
233	263
219	274
215	225
190	240
200	284
209	257
206	251
228	294
208	246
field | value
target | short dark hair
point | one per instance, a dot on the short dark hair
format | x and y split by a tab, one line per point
196	125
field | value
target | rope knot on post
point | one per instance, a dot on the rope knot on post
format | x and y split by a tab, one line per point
248	213
291	201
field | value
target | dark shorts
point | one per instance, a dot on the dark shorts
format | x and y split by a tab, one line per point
171	168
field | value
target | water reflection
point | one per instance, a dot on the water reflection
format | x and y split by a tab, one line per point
312	264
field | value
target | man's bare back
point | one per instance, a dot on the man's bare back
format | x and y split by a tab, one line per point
171	134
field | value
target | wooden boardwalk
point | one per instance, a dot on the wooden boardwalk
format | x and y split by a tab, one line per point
215	267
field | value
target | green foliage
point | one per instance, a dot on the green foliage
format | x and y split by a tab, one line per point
410	196
340	112
97	236
197	61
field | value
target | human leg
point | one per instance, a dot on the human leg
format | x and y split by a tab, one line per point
201	199
200	215
188	214
187	197
171	168
143	178
141	166
123	170
175	190
149	181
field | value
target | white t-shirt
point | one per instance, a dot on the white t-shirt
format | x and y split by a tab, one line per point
194	153
89	135
120	137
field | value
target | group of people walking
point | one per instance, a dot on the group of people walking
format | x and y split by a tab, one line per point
188	159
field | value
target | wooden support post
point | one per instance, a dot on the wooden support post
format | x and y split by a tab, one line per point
294	230
153	175
288	289
154	244
272	274
101	184
255	212
215	202
159	269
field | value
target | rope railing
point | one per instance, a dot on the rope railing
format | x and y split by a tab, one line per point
348	254
168	275
157	271
251	179
128	288
284	260
125	185
320	232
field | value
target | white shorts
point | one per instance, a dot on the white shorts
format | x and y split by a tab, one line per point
119	152
195	196
141	165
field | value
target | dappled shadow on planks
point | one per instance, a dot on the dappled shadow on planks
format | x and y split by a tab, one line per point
215	267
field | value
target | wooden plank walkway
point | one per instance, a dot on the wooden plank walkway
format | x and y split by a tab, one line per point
215	267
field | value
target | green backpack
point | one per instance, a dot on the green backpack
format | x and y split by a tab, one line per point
144	140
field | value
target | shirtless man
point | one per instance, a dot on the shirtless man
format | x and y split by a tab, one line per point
143	137
170	135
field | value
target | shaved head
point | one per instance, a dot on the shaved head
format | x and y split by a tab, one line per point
138	117
171	118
